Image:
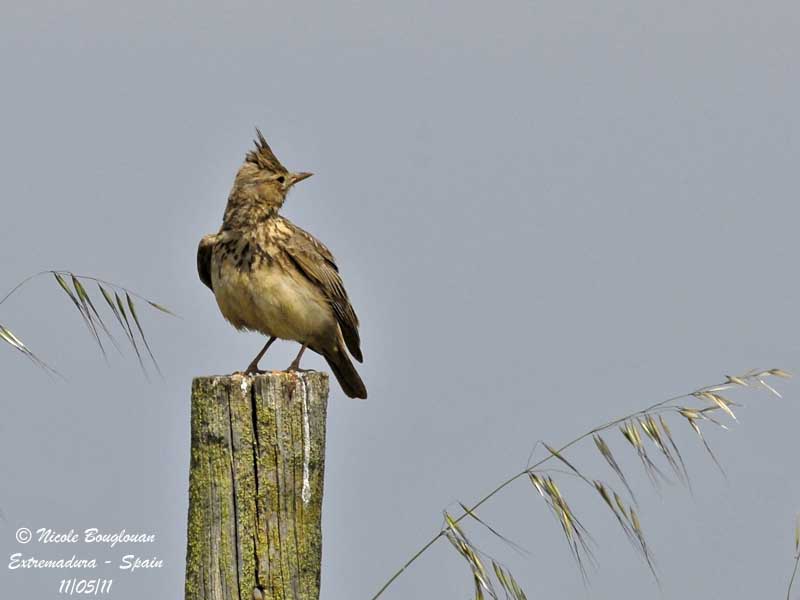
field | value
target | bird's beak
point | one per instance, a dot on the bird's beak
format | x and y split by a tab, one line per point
299	177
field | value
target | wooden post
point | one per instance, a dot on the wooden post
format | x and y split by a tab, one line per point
255	487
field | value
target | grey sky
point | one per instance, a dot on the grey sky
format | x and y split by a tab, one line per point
547	215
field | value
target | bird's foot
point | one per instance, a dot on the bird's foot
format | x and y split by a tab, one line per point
252	368
293	368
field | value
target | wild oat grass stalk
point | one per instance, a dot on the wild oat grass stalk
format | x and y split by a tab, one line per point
796	556
648	434
119	301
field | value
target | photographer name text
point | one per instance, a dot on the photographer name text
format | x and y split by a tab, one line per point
92	541
93	536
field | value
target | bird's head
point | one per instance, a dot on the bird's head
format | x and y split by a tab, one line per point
263	177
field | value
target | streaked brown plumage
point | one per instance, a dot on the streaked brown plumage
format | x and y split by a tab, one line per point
269	275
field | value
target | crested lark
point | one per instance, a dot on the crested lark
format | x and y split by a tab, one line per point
269	275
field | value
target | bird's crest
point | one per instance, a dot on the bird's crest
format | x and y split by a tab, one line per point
263	156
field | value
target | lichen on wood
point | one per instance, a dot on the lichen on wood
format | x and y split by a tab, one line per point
255	486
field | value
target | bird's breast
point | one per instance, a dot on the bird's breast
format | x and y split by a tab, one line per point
270	296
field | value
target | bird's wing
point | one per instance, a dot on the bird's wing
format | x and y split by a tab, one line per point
204	252
316	262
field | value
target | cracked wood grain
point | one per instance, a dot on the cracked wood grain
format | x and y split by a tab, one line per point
255	487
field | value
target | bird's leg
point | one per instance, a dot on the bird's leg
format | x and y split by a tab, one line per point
295	366
253	367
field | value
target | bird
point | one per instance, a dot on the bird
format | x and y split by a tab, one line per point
269	275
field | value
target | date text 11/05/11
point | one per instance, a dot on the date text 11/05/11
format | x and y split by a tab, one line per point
85	587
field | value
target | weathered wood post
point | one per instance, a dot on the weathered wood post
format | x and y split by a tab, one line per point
255	487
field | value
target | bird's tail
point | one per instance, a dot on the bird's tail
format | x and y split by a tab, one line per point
346	373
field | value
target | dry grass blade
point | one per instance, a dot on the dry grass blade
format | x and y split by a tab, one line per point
794	575
631	433
75	288
617	509
91	316
605	451
114	310
691	417
668	434
574	530
88	305
161	308
483	583
629	522
736	380
620	505
649	420
770	388
577	536
8	336
129	331
12	340
460	542
559	456
650	427
132	308
759	377
538	483
796	553
720	401
85	311
637	530
510	586
471	513
63	285
797	534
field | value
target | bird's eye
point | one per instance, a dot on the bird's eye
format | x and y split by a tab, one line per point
281	179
